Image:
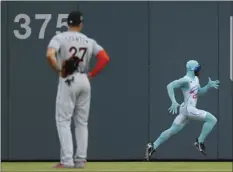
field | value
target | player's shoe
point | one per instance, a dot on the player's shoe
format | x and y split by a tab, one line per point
59	165
149	151
80	164
200	147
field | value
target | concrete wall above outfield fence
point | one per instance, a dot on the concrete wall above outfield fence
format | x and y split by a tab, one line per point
149	44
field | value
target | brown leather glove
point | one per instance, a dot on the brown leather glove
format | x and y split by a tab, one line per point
69	66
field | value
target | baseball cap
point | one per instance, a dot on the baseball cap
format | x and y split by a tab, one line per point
75	18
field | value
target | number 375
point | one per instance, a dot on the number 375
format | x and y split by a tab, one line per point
26	30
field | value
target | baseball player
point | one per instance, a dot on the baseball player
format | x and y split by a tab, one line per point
69	54
191	90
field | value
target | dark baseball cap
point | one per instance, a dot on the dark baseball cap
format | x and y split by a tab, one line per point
75	18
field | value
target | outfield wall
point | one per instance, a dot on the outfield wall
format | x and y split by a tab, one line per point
149	44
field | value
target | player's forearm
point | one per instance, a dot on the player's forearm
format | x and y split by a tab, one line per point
171	94
53	63
203	90
102	61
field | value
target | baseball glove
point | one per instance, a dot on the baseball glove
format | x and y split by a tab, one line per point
69	66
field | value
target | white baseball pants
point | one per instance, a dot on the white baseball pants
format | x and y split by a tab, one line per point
73	100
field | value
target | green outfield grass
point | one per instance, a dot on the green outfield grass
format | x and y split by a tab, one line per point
123	167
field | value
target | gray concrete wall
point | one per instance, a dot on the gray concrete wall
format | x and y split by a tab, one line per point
224	100
4	86
149	46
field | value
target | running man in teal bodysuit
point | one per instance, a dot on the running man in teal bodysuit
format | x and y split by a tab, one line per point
191	89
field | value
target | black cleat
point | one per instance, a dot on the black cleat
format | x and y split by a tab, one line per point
149	151
200	147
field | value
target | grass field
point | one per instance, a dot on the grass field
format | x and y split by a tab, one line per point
123	167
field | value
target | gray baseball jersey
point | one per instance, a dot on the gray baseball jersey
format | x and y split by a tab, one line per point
73	99
75	43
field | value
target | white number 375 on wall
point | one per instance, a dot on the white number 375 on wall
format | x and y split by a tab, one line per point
25	24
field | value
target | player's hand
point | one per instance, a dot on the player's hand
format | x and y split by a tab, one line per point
173	108
213	84
89	76
59	73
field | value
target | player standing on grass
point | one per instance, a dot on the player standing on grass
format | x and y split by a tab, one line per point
74	51
191	90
